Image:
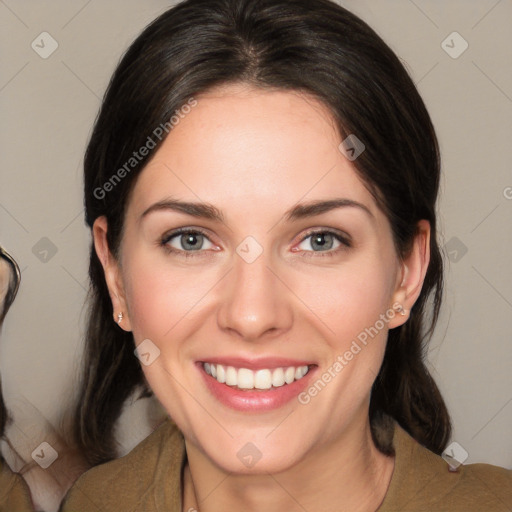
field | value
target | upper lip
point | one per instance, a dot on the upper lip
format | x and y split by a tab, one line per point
257	363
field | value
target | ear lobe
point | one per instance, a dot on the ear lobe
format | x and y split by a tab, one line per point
112	272
414	270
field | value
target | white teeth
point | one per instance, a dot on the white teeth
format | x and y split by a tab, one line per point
243	378
289	375
262	379
278	377
231	376
221	373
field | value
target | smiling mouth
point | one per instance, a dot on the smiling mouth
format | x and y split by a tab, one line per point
263	379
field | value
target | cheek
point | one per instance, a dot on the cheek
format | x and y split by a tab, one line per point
350	298
162	298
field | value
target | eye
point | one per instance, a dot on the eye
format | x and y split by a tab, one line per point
185	241
324	241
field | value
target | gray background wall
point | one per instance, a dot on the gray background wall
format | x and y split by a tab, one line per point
48	106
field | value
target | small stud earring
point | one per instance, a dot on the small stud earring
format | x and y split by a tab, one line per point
402	311
120	317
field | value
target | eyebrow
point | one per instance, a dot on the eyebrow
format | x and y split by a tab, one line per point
297	212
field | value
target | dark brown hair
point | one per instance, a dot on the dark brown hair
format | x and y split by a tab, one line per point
313	46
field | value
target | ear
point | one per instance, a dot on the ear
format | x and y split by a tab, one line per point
413	270
112	269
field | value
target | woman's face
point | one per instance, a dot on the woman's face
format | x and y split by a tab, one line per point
272	276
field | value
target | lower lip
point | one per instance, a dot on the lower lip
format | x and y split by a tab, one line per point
255	401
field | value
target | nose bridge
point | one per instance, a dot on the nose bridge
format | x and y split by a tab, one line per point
254	300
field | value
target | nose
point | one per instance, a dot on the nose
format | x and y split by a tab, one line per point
255	302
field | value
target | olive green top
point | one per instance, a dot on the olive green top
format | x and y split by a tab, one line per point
14	492
149	478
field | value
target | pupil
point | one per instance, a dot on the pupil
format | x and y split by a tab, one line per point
190	240
320	240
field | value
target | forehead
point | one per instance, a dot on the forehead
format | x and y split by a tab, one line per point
241	146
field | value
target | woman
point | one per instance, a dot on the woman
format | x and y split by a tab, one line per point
261	186
14	493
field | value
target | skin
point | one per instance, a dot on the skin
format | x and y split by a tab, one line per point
254	154
4	281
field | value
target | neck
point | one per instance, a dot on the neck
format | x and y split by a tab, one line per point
348	474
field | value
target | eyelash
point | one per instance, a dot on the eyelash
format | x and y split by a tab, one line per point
344	241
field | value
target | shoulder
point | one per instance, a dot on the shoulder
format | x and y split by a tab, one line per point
14	493
135	479
422	481
492	485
